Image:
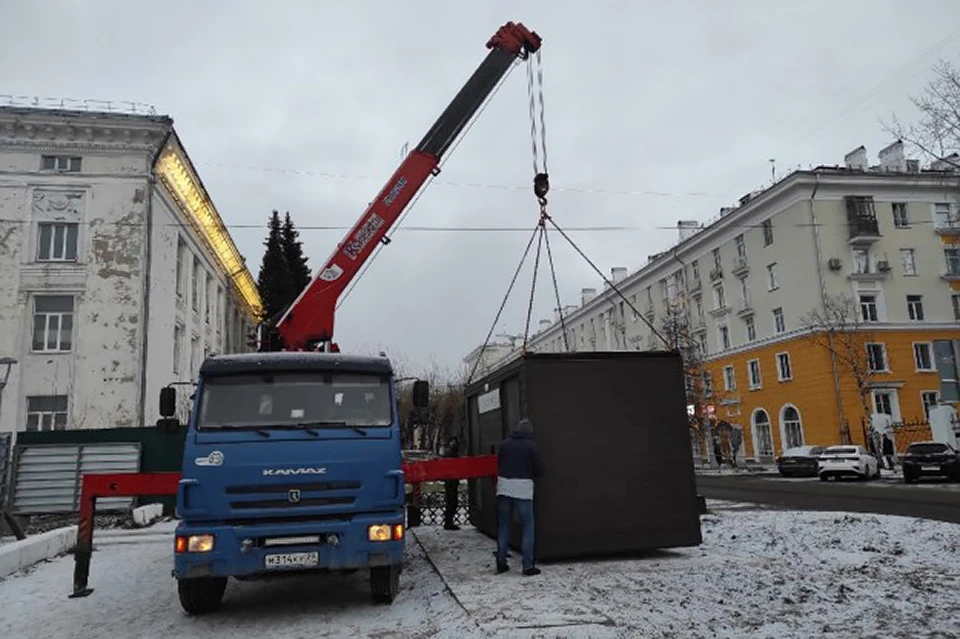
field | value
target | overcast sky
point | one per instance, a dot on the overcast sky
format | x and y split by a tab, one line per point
654	113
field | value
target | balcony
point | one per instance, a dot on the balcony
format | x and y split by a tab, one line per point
716	274
862	220
720	311
745	308
952	275
740	266
872	273
948	226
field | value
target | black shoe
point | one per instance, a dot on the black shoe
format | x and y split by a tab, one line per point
502	568
532	571
451	527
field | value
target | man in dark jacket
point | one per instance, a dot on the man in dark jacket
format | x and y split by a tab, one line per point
518	464
451	489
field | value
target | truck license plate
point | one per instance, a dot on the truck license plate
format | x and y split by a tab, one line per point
293	560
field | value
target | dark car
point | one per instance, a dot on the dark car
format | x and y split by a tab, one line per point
801	461
924	459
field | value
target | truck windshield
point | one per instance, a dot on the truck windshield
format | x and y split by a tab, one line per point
295	400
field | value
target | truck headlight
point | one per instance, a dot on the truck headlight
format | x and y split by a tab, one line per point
194	543
385	532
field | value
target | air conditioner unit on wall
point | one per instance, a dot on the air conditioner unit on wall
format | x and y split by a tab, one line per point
835	263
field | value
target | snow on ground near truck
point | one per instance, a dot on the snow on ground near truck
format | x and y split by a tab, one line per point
759	573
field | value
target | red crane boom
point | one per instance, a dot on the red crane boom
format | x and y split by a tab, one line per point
308	323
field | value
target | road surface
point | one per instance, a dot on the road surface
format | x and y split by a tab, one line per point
939	501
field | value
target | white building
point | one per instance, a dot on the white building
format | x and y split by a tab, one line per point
118	274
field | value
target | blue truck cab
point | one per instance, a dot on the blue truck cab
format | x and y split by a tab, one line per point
292	462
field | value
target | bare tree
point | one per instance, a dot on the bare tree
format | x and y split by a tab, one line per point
443	418
679	335
937	131
839	329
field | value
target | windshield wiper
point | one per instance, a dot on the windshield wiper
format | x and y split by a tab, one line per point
334	424
259	430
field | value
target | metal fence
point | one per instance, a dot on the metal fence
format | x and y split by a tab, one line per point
6	445
433	501
46	477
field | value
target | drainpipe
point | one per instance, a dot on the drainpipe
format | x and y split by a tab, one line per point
844	431
147	271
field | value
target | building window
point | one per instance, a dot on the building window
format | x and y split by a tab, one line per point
944	217
220	302
955	298
719	300
707	383
929	399
57	241
900	219
779	323
699	305
745	292
753	371
923	356
181	249
741	249
695	269
208	300
908	260
773	281
915	307
177	347
767	232
194	354
53	323
762	435
60	163
784	372
729	379
46	412
195	289
953	260
792	428
868	308
724	337
751	329
717	264
876	357
885	402
703	345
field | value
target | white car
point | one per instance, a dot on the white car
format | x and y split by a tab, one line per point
847	461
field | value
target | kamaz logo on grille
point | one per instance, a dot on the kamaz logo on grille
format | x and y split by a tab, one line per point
286	472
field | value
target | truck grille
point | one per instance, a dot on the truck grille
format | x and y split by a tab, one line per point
293	496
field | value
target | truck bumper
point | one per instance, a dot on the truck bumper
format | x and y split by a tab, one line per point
242	550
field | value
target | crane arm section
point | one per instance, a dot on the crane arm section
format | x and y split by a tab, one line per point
309	320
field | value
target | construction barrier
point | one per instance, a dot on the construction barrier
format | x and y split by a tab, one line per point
95	486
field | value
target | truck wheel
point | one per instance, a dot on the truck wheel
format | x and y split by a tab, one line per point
201	595
384	583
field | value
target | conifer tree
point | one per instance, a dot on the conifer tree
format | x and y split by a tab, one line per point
293	252
275	281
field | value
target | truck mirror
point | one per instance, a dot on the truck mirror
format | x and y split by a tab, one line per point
168	401
421	393
168	425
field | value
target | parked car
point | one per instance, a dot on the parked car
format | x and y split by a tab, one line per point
848	461
930	459
800	461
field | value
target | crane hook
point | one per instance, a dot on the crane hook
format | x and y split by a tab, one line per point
541	186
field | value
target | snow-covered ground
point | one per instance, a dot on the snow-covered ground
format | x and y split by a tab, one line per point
759	573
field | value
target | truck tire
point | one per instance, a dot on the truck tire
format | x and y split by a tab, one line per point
201	595
384	583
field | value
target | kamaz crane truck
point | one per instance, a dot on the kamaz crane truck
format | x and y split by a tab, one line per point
292	460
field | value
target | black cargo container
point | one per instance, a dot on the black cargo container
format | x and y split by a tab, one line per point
613	433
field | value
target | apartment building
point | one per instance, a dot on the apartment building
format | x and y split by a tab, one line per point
885	238
119	275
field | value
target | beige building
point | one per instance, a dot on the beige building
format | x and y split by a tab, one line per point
884	235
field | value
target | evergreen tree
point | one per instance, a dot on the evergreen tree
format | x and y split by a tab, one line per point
296	261
275	281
